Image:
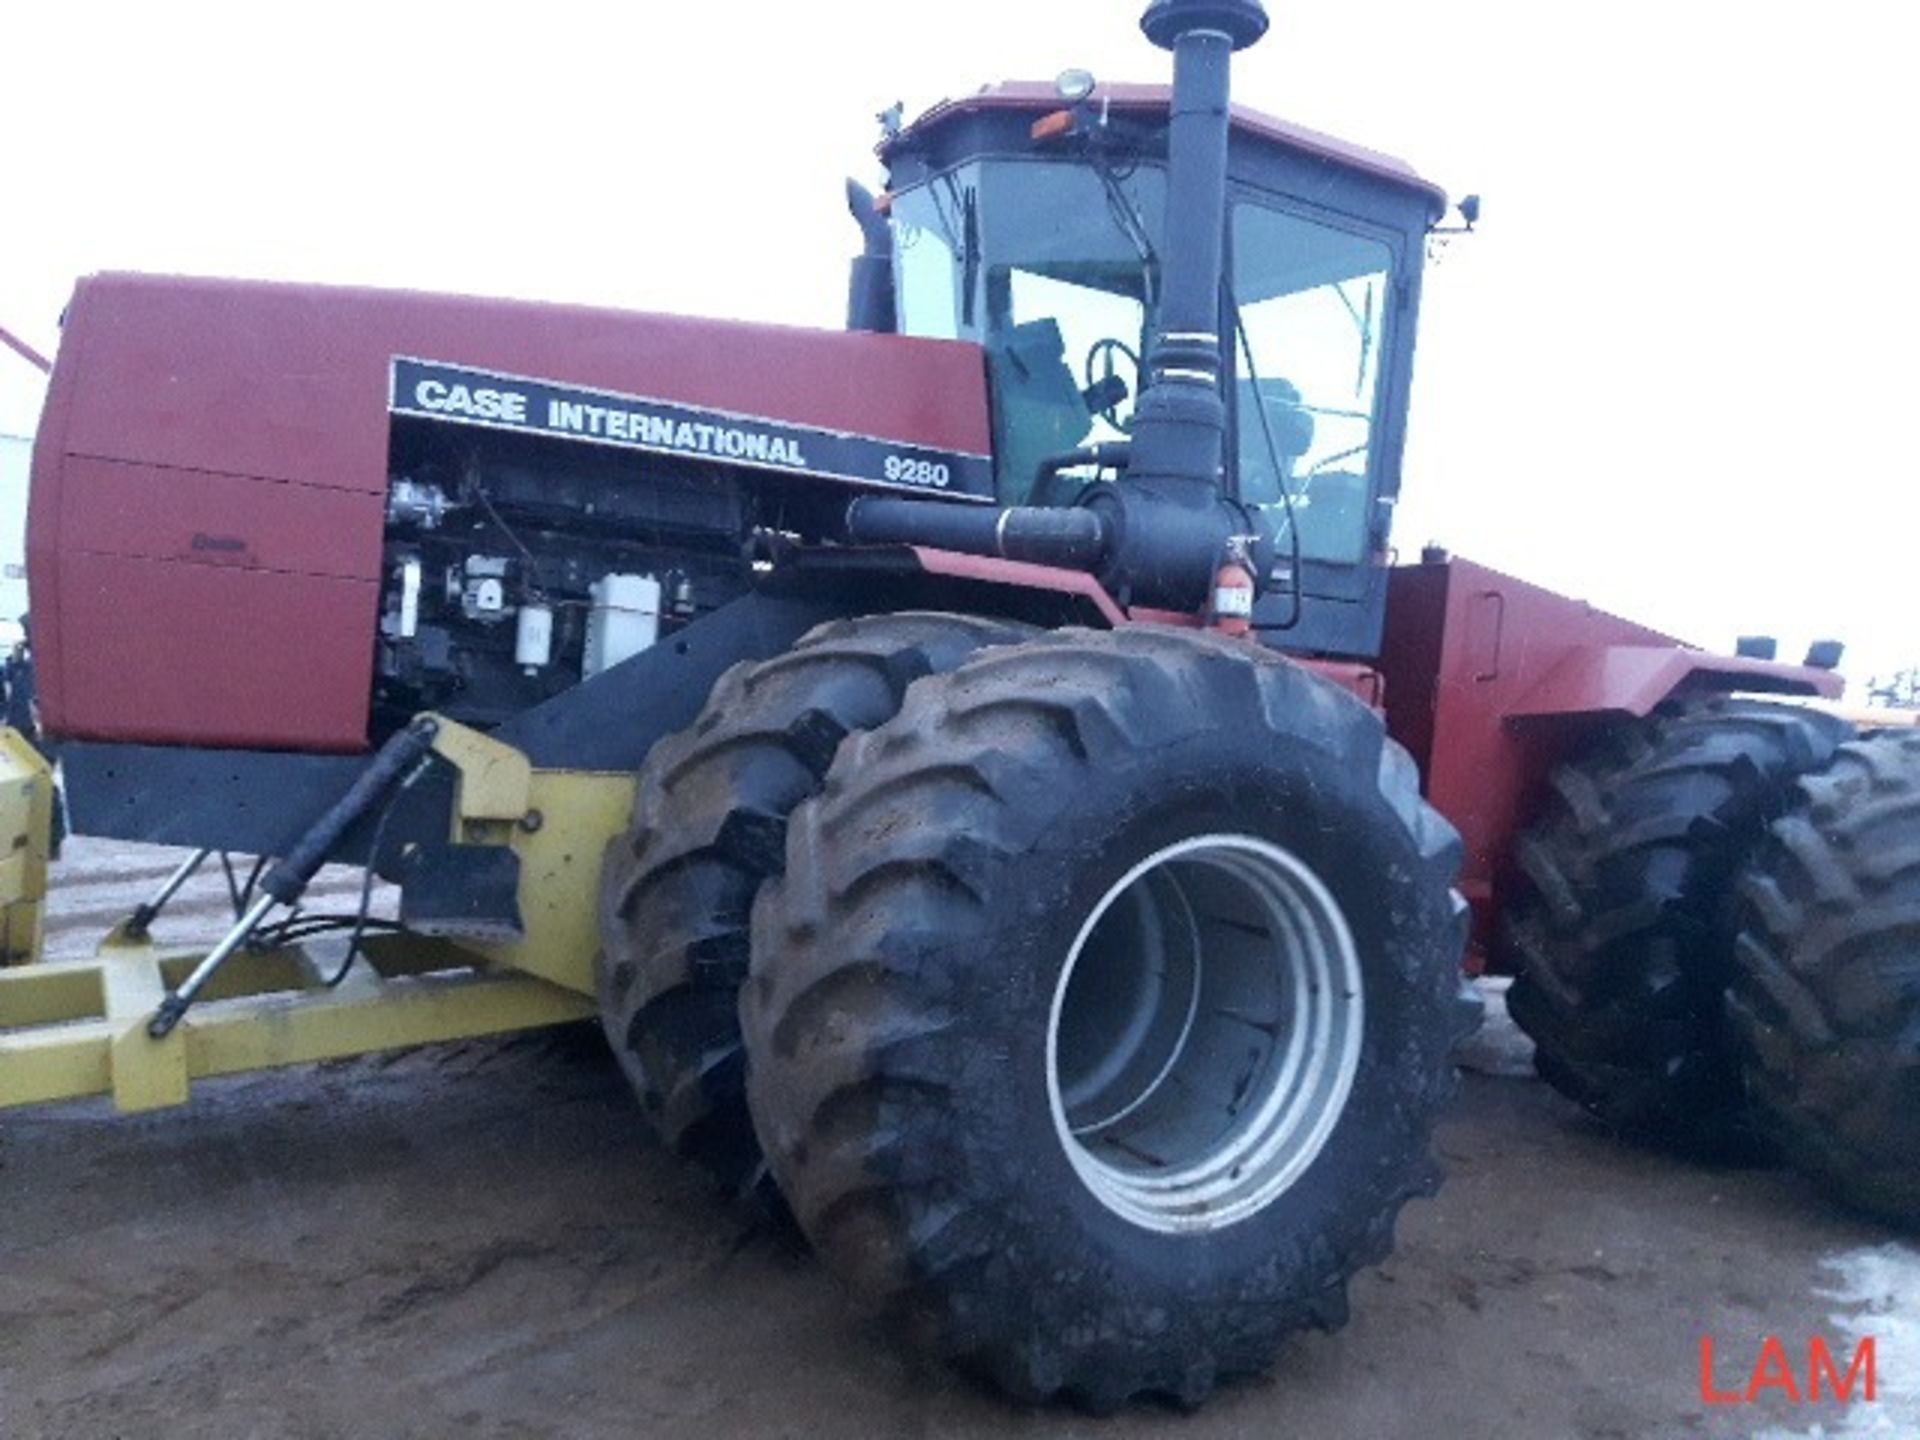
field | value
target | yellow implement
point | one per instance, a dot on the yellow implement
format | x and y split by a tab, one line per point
26	830
78	1028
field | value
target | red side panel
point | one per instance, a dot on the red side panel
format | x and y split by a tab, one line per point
264	648
205	524
116	507
1490	682
1463	644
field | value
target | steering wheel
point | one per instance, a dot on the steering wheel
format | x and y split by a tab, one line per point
1100	359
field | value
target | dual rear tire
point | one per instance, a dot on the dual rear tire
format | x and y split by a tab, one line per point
1619	924
1099	1008
1101	1016
1825	1000
1717	936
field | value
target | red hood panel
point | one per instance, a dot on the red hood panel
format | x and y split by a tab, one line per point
289	382
207	511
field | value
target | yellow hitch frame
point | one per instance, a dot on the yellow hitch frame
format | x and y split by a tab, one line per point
78	1028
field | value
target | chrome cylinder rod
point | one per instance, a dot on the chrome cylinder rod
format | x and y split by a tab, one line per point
145	914
176	1003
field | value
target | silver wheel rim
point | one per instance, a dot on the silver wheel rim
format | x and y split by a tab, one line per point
1204	1033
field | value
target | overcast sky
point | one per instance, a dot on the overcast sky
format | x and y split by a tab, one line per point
1672	373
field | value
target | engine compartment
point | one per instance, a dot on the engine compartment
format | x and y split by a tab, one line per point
515	568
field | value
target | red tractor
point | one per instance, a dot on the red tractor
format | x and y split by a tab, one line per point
1042	825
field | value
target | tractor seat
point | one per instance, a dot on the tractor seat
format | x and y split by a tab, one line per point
1292	429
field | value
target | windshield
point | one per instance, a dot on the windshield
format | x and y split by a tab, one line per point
1052	267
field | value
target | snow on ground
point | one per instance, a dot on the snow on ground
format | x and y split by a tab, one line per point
1877	1294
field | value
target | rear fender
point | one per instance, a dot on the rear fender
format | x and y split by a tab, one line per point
1491	682
1594	680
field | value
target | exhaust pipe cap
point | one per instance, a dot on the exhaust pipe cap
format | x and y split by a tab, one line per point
1241	21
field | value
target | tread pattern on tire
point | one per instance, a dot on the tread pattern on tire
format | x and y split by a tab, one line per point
1619	924
709	826
886	868
1825	999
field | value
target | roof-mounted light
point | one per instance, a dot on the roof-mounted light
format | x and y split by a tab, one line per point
1073	86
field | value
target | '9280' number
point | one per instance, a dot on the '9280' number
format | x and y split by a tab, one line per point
905	470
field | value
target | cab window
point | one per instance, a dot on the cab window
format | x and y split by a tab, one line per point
1313	300
1053	268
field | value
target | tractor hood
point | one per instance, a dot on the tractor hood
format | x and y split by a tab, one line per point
213	465
292	382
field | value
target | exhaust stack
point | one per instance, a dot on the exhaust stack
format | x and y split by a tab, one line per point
1180	423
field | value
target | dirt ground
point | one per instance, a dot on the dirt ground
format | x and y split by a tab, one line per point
476	1239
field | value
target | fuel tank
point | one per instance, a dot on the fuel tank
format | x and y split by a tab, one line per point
211	474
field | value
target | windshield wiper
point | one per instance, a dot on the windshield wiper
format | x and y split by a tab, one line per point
969	254
1362	323
1128	221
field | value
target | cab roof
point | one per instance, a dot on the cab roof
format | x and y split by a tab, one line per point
1041	96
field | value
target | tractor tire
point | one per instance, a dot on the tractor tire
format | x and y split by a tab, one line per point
1620	923
709	825
1092	910
1825	1000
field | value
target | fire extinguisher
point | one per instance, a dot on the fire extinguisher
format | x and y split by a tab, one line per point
1231	610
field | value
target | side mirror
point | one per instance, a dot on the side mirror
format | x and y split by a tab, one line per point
1469	212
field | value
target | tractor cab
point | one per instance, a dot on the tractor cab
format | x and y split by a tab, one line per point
1030	219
